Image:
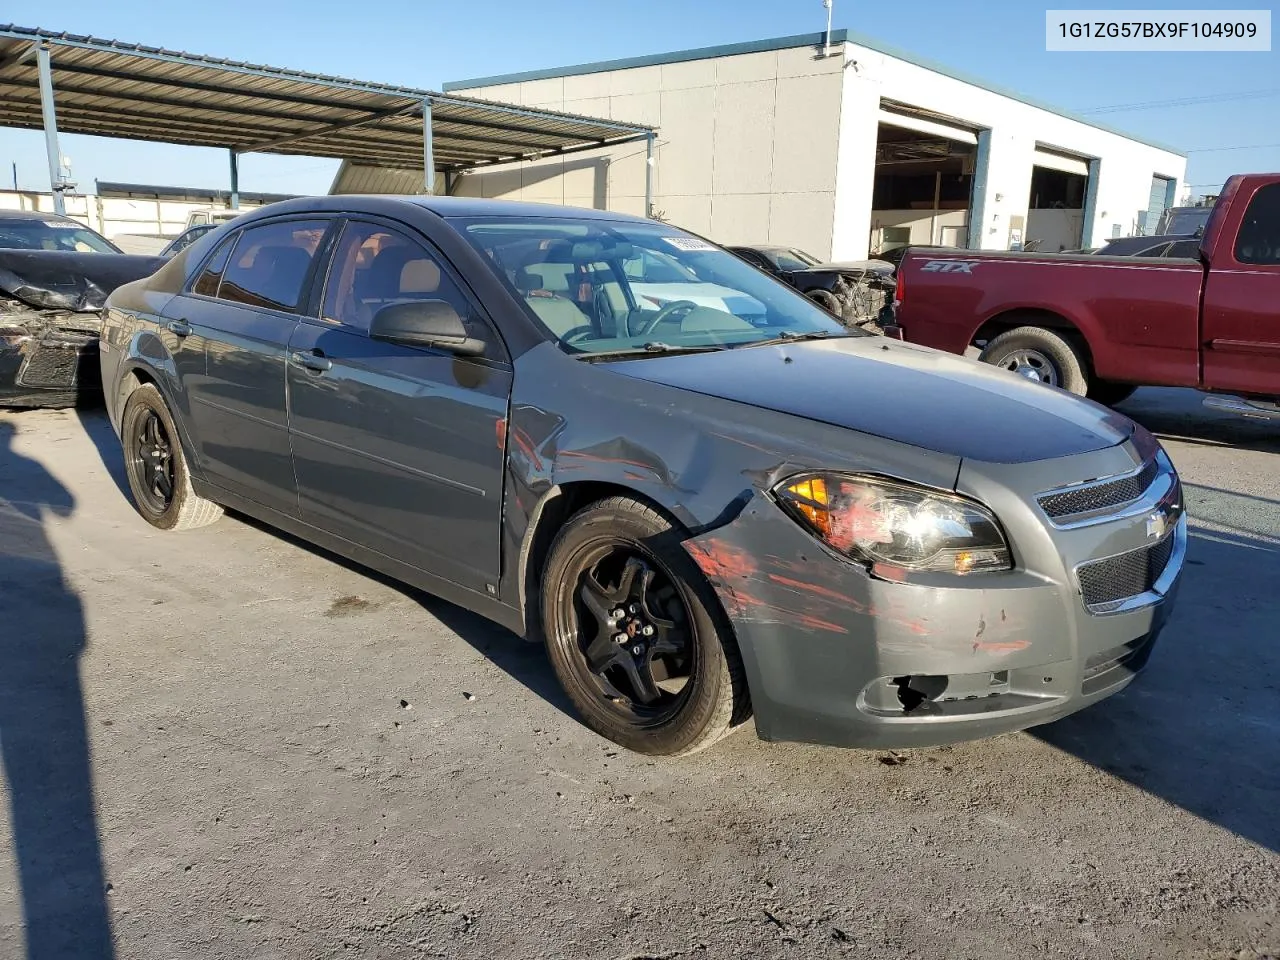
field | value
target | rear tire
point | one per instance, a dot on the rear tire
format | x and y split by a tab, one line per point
1039	355
675	684
156	467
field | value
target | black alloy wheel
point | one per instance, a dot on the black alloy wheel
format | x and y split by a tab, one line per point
636	634
151	462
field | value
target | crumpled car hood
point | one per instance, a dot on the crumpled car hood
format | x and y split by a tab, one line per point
65	280
899	391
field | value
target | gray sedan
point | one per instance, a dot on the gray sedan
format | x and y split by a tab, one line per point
704	510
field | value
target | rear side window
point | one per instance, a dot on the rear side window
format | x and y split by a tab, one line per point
207	285
1259	237
271	263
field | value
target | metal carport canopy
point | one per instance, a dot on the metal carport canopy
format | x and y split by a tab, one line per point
113	89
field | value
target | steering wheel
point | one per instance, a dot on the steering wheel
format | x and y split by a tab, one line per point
668	314
577	333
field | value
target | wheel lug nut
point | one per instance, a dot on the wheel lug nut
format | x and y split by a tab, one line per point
637	650
648	630
634	608
618	614
619	638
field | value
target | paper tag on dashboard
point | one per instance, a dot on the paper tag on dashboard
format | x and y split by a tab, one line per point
689	243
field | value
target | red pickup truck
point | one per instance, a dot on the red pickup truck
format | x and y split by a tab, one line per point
1102	326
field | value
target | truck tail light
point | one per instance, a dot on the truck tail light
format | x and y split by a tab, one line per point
900	292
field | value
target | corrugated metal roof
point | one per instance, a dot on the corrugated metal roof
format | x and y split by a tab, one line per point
361	178
147	191
114	89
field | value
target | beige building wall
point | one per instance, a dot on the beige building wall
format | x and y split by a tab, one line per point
746	145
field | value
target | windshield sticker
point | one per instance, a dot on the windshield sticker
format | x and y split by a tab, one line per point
59	225
689	244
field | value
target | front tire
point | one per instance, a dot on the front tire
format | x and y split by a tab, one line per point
636	635
156	467
1040	355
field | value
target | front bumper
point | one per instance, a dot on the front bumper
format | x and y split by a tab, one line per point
838	657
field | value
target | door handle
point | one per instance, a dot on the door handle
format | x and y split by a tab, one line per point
179	328
316	362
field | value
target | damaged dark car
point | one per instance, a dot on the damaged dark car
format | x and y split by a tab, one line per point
707	506
55	275
856	292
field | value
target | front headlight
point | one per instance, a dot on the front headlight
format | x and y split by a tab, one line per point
893	527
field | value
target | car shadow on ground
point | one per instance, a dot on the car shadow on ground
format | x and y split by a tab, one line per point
44	744
97	427
524	662
1175	414
1201	727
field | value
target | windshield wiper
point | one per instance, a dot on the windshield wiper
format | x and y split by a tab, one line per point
653	348
791	336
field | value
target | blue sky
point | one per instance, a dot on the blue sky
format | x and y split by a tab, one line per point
428	42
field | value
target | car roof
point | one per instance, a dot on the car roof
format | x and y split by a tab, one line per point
35	215
447	207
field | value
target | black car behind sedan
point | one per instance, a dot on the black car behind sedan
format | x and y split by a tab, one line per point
55	275
706	509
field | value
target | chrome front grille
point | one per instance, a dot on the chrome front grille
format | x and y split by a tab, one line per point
1091	498
1107	584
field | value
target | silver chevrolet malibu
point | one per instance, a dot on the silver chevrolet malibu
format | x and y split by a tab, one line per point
705	495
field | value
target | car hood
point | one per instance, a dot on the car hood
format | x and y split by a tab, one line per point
899	391
66	280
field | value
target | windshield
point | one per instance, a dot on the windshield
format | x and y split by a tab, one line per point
1184	220
607	287
794	260
51	234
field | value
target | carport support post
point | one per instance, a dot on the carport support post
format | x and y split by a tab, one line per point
50	128
428	151
235	179
648	175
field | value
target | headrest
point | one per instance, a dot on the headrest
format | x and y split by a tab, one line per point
420	276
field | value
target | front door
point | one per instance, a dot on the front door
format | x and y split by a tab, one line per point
242	310
1242	303
397	448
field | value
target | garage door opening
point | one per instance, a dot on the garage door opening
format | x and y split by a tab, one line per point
924	177
1055	209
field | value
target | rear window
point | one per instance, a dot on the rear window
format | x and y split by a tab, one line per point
1259	238
271	263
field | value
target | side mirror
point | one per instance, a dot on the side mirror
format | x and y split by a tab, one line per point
425	323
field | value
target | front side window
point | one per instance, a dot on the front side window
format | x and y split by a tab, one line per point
271	263
1259	238
602	287
375	267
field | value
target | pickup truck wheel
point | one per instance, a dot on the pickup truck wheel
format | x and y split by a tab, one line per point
156	468
1109	394
635	633
1038	354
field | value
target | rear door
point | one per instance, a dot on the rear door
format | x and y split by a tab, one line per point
396	448
1242	301
231	330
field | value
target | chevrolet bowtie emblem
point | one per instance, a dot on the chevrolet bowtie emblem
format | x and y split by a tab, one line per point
1157	524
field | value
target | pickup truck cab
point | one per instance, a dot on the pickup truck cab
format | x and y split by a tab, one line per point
1102	326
